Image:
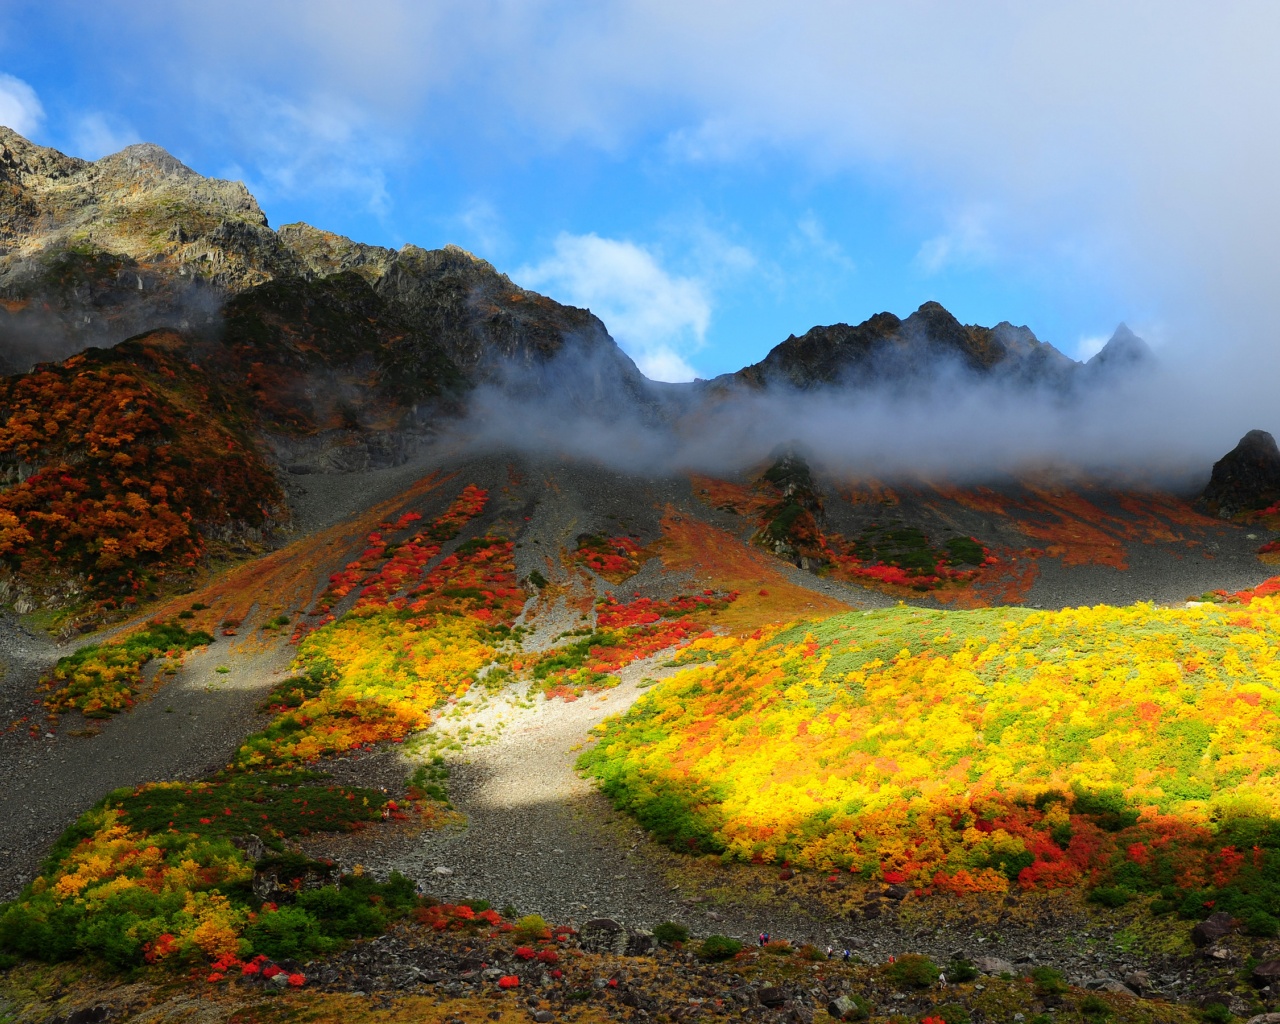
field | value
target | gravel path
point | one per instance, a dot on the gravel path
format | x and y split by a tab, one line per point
542	839
538	836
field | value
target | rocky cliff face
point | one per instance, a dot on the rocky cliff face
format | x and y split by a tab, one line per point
888	351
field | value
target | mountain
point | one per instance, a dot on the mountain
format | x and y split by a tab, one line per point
173	323
92	253
929	345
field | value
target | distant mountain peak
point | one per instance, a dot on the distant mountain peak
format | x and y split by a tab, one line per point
886	350
1123	351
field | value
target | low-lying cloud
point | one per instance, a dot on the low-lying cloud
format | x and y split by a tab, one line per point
952	426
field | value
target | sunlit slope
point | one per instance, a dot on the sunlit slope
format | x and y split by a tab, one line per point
972	749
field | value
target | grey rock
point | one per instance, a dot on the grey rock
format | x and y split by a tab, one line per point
1111	985
993	965
798	1013
844	1008
603	935
1212	928
771	996
1266	973
1140	982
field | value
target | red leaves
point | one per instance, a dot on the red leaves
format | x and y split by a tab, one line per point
125	473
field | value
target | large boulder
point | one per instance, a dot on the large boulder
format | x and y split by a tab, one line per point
1212	928
1247	478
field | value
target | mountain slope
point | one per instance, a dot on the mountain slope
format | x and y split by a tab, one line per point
92	253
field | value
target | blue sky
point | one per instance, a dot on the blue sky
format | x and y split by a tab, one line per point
710	177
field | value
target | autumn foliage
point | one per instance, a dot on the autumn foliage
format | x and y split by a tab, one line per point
1128	748
117	460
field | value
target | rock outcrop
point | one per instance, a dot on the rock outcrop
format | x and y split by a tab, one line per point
1247	478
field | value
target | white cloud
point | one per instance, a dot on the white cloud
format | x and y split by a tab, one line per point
657	317
965	242
482	228
813	238
1088	347
20	107
309	147
96	135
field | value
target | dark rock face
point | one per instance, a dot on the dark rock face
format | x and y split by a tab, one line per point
887	350
1247	478
1212	928
1266	973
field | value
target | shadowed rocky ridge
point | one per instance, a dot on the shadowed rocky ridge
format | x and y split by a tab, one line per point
931	343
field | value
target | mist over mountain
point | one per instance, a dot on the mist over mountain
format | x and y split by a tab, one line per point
351	354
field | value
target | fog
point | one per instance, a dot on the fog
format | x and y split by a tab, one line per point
51	326
1129	426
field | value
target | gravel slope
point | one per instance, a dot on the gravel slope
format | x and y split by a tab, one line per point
192	726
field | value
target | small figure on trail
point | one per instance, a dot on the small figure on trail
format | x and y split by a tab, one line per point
847	955
763	940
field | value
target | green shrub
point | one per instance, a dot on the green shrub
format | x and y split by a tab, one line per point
1260	923
288	932
960	970
1111	895
811	952
41	929
1216	1013
1108	808
669	933
719	947
1048	982
911	970
1094	1006
531	928
951	1013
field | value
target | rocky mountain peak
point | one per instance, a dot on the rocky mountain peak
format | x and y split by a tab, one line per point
147	161
1124	351
887	350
